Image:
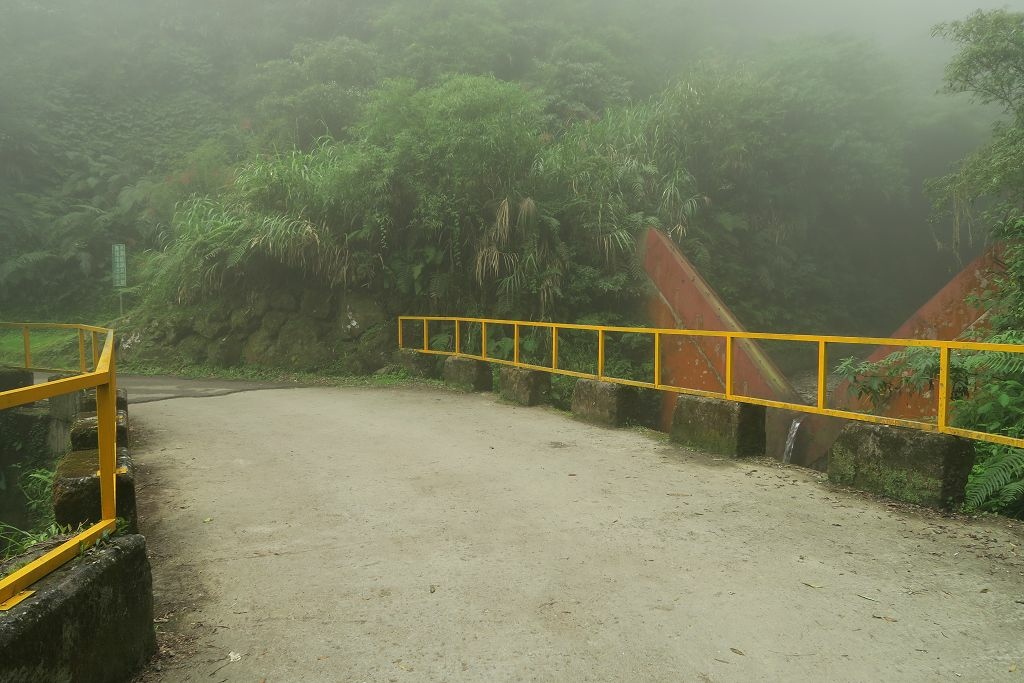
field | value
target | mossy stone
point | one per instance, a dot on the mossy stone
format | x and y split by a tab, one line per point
903	464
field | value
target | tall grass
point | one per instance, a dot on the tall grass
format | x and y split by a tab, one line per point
37	487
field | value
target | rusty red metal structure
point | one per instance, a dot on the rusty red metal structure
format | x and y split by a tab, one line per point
682	299
949	315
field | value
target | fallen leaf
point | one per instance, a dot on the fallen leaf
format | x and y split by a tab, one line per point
739	652
866	597
1013	668
234	657
811	585
207	520
885	618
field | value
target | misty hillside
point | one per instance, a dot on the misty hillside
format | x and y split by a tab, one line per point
289	177
786	150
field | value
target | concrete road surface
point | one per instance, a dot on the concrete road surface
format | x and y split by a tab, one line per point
418	535
150	389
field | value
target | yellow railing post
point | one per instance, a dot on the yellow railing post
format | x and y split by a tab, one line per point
822	374
458	338
515	344
728	366
483	340
82	365
106	414
944	388
26	337
657	359
600	354
95	350
426	334
401	342
554	347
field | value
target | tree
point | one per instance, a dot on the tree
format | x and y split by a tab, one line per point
989	66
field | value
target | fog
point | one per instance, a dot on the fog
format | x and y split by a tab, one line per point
902	28
800	157
893	22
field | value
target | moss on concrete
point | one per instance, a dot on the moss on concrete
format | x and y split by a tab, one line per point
468	374
525	387
91	620
14	378
907	465
420	364
601	403
76	489
719	427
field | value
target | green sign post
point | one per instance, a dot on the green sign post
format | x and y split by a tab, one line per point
120	272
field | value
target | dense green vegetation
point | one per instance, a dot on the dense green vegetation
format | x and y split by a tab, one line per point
990	66
986	193
502	158
478	155
37	488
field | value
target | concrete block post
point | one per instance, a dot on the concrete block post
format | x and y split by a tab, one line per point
525	387
602	403
85	431
419	364
468	374
904	464
719	427
76	489
90	621
14	378
89	401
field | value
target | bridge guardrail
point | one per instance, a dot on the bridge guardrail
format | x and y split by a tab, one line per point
820	407
100	375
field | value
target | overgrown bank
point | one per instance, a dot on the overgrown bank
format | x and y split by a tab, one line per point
464	156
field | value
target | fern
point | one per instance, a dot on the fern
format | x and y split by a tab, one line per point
1000	482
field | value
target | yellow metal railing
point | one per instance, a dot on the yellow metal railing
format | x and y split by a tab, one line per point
945	348
99	375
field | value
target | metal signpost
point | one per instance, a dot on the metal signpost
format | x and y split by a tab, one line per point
120	267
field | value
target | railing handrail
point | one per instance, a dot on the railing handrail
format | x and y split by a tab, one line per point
13	588
765	336
945	348
56	326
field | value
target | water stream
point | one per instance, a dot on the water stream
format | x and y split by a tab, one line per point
787	455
